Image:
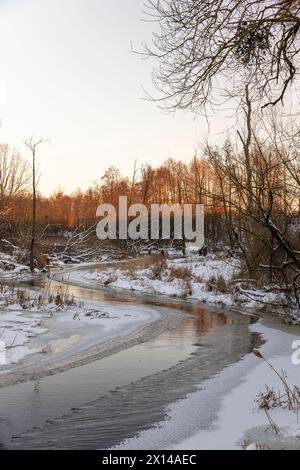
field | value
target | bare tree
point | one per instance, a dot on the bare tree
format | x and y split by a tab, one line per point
14	177
133	183
32	145
208	46
267	210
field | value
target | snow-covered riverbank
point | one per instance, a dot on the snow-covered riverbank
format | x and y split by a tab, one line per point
48	326
48	334
224	414
212	280
239	421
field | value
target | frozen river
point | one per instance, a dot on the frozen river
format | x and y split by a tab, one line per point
107	401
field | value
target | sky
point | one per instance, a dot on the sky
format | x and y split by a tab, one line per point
67	74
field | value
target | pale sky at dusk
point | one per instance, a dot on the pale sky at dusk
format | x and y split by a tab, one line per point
67	74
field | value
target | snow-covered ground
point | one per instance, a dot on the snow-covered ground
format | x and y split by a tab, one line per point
17	328
10	268
51	330
224	414
166	282
211	280
240	422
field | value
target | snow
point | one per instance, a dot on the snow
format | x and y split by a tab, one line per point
16	330
240	420
60	345
52	331
117	319
212	279
10	267
142	279
223	413
251	447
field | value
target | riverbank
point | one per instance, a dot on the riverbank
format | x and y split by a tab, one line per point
103	349
45	334
223	413
211	280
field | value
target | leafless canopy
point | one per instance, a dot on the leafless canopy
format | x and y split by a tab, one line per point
217	45
14	176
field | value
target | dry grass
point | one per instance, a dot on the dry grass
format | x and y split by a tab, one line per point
270	399
136	264
61	298
157	269
10	295
180	272
258	446
290	399
217	284
44	298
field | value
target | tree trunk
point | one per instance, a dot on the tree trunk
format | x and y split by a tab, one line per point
33	228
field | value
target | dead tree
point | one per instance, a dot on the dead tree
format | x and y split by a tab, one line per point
32	145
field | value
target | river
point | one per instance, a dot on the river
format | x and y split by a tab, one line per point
99	404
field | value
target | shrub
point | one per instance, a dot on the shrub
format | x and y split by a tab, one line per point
217	284
180	272
157	269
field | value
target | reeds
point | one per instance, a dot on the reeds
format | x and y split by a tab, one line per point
271	399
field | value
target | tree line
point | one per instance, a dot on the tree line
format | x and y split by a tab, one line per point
248	185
